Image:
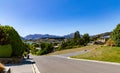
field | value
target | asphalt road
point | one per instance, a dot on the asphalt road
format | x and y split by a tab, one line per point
60	64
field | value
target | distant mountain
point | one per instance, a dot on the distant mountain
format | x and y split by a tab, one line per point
40	36
71	35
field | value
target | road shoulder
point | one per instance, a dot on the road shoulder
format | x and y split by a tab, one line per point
113	63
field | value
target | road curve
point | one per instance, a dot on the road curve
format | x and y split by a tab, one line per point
60	64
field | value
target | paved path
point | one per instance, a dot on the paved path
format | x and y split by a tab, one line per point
61	64
25	67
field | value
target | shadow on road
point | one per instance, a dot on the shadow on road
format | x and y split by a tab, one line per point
24	62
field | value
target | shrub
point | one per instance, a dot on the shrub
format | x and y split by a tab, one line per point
110	42
33	50
14	40
5	51
45	49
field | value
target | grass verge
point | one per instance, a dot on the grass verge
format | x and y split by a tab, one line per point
104	53
74	50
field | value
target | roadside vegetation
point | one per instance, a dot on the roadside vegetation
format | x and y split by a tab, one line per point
104	53
71	43
90	47
110	52
115	35
11	44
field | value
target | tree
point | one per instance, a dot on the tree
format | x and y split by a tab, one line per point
27	48
86	38
33	50
115	36
76	37
67	44
45	49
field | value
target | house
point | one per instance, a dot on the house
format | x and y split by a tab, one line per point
102	40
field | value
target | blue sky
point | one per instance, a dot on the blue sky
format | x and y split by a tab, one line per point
60	17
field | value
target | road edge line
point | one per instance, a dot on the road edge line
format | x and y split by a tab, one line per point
35	68
113	63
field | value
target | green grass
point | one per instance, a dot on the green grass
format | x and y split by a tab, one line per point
74	50
104	53
5	51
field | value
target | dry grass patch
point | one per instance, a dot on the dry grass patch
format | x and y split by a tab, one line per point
74	50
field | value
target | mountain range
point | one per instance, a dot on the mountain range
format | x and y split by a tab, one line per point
41	36
71	35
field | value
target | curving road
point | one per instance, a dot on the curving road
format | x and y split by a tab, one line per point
61	64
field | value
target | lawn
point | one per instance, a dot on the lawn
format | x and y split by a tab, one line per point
104	53
74	50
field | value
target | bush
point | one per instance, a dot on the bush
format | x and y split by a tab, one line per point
33	50
110	42
45	49
14	40
26	49
5	51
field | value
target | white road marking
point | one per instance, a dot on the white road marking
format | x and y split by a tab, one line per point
94	61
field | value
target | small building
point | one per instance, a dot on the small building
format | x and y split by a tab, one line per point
102	40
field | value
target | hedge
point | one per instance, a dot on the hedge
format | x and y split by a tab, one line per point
5	51
13	38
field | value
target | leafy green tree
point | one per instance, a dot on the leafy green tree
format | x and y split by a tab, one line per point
77	37
67	44
81	42
45	48
116	35
33	50
27	48
86	38
42	45
63	45
75	42
36	45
